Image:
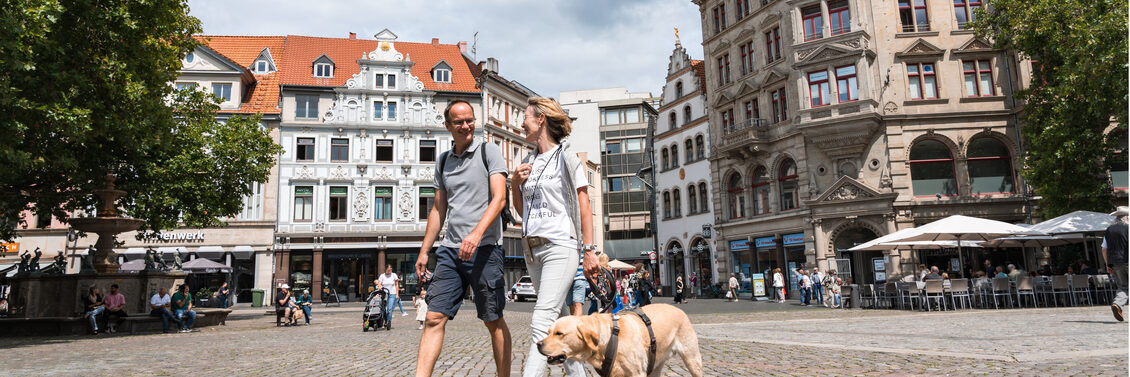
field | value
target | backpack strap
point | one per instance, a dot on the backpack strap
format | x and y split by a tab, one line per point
442	160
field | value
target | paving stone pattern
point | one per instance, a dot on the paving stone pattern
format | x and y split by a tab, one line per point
737	339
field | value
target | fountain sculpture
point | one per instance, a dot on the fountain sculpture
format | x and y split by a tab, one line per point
108	224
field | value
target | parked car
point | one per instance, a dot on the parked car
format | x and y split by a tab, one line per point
524	289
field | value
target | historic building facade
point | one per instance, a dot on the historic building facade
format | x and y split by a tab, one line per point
837	121
619	124
681	151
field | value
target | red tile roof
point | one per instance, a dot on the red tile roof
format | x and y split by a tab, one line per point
301	51
264	96
699	71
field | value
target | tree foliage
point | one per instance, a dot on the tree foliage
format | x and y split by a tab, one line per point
85	89
1075	109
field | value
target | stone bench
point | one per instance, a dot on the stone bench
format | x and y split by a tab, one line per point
77	325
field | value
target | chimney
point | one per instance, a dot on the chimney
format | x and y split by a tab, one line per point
435	41
463	47
352	35
492	65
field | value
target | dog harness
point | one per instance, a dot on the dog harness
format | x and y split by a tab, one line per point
610	352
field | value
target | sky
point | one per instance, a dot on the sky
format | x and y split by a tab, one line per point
549	46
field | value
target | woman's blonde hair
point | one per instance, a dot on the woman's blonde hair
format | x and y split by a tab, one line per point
558	123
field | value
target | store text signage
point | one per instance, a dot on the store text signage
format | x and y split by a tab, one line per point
13	247
197	236
793	239
739	245
764	242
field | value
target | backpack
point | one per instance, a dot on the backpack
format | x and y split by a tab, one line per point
507	217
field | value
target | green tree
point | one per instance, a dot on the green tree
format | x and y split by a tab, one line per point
1078	93
85	90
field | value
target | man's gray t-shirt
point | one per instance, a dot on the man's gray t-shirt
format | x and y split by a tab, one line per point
468	191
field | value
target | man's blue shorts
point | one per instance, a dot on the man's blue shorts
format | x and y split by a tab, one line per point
483	273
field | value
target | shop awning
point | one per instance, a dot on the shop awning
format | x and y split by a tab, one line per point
243	252
210	252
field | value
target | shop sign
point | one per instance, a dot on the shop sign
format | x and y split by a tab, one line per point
13	247
197	236
758	284
793	239
739	245
764	242
304	190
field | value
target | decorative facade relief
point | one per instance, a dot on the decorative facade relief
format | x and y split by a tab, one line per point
339	172
425	174
384	174
361	203
304	172
406	206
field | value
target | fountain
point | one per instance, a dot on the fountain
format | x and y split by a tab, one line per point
107	224
46	304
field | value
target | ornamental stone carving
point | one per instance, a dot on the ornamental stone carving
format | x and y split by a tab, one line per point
425	174
339	172
361	203
304	172
406	206
847	192
385	174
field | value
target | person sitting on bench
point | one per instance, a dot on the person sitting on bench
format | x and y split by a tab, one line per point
283	306
159	306
182	308
115	308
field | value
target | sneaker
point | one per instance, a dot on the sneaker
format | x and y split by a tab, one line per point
403	314
420	328
1117	310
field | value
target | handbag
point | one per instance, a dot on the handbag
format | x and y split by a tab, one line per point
729	294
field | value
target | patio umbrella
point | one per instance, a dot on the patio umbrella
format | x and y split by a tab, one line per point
616	264
204	266
1078	222
961	228
875	244
1033	241
918	245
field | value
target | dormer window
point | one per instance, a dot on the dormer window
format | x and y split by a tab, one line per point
323	70
441	72
264	63
262	66
442	75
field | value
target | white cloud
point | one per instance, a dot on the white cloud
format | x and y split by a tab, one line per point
549	46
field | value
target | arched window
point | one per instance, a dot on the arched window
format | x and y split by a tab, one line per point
678	90
671	121
787	179
990	167
761	191
736	197
666	205
692	200
675	155
665	159
931	169
677	203
703	198
699	147
686	114
689	147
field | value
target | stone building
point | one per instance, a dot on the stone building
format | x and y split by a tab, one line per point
683	183
837	121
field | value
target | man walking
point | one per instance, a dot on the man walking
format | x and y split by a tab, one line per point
1114	252
733	285
470	181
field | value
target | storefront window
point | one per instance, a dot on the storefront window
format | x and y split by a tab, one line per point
301	270
990	168
931	169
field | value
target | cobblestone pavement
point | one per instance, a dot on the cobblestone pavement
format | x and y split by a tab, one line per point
737	339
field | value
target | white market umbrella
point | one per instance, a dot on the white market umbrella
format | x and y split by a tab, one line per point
960	228
1033	241
204	266
1078	222
132	266
616	264
917	245
877	244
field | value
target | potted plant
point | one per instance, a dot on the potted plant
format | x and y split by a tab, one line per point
203	297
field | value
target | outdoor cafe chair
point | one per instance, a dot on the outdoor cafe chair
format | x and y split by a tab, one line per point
1024	287
1060	286
959	292
845	300
866	295
982	288
1104	289
1080	287
910	294
889	295
935	292
1001	287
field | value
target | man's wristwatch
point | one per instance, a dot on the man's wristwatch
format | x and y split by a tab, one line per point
589	247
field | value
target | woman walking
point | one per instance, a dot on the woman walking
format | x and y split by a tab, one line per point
779	285
679	290
550	190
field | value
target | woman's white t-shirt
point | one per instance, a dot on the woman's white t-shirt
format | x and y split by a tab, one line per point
543	199
778	280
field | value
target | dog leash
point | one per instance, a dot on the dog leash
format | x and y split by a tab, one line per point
610	351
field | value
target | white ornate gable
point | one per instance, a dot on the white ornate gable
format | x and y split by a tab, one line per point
848	188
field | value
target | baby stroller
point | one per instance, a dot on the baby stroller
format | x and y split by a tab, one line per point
376	311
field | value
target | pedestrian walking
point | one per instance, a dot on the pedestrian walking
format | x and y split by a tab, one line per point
679	290
817	285
693	279
732	294
470	184
804	284
550	189
1114	252
779	285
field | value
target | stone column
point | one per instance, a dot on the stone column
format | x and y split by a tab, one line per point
822	252
283	269
316	280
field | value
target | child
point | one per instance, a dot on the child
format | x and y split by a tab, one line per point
421	307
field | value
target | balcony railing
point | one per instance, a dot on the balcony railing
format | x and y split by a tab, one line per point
760	124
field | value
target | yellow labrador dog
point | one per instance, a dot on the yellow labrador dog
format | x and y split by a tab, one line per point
587	338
